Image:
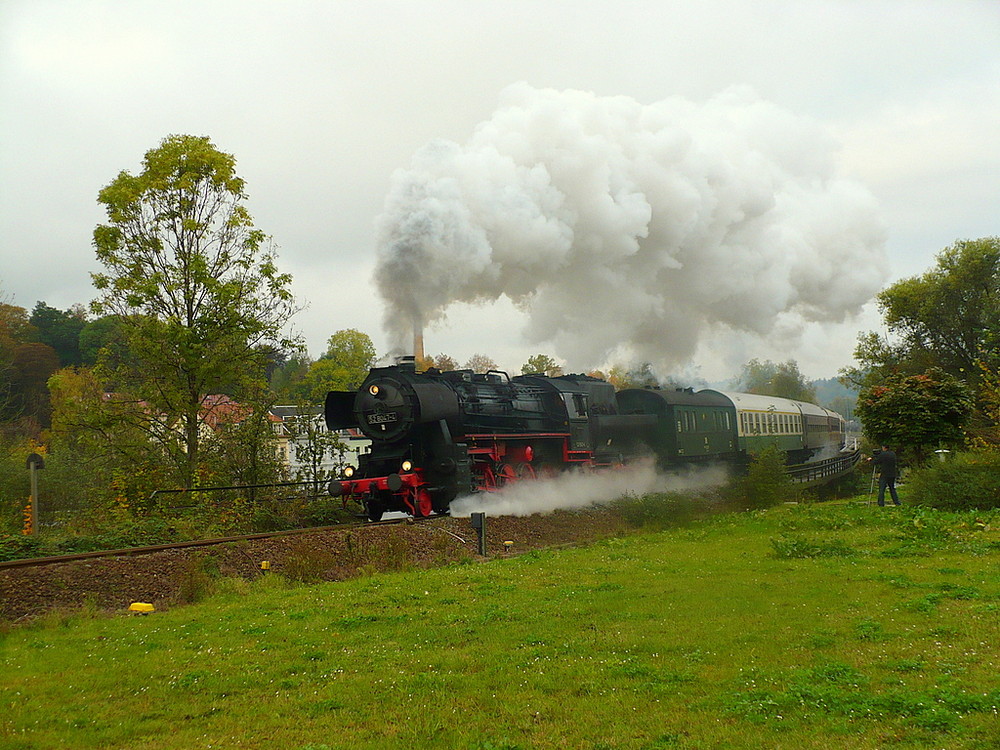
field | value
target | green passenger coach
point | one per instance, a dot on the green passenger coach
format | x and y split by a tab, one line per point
690	426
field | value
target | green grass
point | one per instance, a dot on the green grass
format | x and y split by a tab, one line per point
800	627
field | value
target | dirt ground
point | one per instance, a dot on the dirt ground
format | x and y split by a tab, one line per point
175	577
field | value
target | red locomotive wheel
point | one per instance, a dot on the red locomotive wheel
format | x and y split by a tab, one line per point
486	479
505	474
524	471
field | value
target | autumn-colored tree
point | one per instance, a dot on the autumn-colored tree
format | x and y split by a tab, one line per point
480	363
14	331
917	412
541	364
638	376
441	362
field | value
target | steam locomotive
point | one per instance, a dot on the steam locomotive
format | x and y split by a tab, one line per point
438	435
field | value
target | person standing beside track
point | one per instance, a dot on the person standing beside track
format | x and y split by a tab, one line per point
888	467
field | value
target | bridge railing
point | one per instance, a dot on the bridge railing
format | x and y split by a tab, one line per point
822	471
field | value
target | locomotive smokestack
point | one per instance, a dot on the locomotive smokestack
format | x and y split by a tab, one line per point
418	340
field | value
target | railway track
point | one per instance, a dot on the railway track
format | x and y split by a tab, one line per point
805	474
130	551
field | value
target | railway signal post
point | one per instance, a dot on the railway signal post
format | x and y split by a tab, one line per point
479	524
34	463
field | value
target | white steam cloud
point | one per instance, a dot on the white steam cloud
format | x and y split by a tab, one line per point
572	491
623	228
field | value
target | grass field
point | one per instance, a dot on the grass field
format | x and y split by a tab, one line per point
810	626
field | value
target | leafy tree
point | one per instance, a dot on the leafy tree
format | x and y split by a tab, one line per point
342	367
845	406
769	379
101	438
60	329
15	324
636	376
102	334
541	364
313	445
287	375
14	331
33	364
917	412
480	363
193	283
953	310
949	319
244	446
442	362
445	363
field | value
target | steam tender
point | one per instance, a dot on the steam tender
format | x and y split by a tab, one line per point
439	435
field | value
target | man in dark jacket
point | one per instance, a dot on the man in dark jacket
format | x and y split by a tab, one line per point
885	460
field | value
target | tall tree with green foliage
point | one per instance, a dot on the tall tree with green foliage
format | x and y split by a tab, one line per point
286	375
193	283
781	379
953	310
60	329
947	318
342	367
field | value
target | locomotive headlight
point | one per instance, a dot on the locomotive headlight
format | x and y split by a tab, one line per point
373	389
406	466
348	471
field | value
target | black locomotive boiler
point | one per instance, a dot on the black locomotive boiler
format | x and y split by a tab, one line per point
438	435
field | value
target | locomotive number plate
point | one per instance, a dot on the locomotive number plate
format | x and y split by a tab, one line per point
382	418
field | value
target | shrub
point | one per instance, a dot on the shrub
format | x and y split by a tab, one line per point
662	510
17	547
765	483
326	511
306	563
795	548
967	481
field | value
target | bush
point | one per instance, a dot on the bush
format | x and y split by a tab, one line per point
17	547
326	511
967	481
765	483
662	510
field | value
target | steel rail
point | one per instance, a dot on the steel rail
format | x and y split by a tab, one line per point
124	552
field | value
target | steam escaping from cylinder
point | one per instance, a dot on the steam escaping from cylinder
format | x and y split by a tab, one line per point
621	226
571	491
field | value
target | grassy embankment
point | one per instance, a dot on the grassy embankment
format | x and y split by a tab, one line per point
800	627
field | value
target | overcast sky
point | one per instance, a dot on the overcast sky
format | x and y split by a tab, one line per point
322	102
